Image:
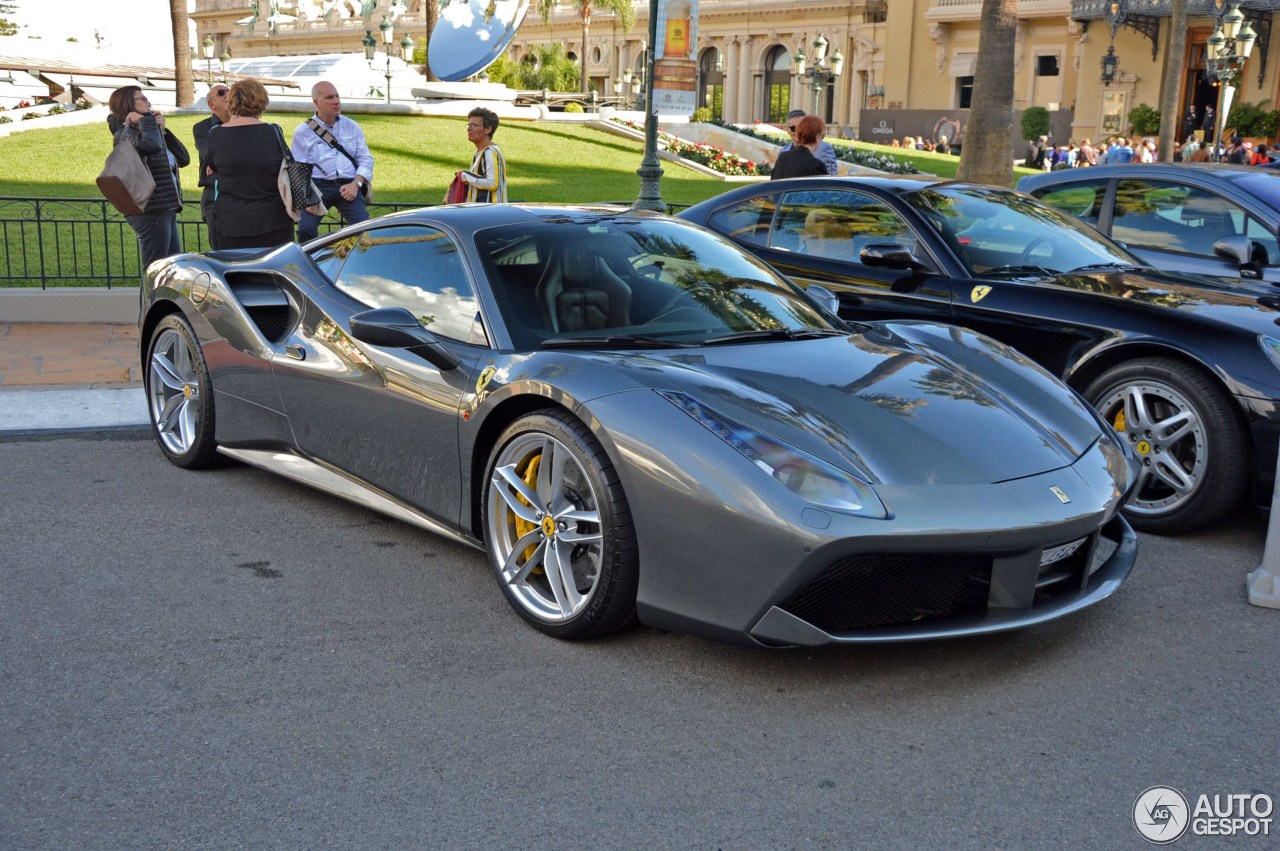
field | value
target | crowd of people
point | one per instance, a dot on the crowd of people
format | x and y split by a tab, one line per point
240	160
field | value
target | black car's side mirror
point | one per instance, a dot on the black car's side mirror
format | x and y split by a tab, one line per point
1250	255
397	328
824	297
888	255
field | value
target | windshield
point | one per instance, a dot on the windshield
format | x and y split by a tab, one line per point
614	280
994	230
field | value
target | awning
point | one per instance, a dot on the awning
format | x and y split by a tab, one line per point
963	64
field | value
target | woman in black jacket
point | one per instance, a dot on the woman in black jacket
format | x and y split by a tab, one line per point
131	121
800	160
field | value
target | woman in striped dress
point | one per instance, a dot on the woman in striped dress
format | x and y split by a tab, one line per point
487	179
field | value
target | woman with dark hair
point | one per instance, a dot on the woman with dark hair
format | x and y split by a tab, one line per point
245	156
801	161
487	179
133	122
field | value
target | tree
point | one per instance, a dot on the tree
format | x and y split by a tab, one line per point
1174	74
7	27
184	84
622	8
987	156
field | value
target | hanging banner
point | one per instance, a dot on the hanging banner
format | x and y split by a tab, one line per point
675	69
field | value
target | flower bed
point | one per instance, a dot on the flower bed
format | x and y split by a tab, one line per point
867	159
709	156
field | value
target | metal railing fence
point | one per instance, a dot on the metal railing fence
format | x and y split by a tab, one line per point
85	242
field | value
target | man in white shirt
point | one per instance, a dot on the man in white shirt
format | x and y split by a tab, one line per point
335	145
826	154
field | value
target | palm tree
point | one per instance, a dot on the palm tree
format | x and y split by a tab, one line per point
1174	71
987	156
431	11
183	79
622	8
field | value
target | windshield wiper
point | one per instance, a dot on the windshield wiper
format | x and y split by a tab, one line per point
1098	267
618	340
775	334
1019	271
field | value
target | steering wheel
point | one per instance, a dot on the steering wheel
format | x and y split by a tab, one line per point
1025	258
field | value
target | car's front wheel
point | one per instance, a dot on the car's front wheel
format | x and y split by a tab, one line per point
179	395
558	530
1185	432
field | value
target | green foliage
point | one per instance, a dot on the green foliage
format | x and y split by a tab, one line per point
701	114
1252	119
587	8
27	116
573	107
4	119
543	68
1145	120
1035	122
1268	124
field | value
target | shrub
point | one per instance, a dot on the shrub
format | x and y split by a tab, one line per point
1145	120
30	115
701	114
1268	124
1035	122
57	109
4	119
573	107
1249	119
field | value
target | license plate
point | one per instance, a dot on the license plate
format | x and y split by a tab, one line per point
1058	553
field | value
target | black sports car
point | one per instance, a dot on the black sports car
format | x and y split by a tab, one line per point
634	418
1186	368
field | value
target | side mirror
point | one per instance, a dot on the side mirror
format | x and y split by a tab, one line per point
826	298
888	255
1248	254
397	328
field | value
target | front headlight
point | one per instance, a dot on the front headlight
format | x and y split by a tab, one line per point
1270	348
809	478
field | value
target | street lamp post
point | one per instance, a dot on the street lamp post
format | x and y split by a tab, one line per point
207	45
223	61
387	30
820	75
650	172
1226	53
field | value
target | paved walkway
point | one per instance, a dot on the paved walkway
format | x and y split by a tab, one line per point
69	377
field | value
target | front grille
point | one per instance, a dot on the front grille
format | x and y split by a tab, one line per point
868	591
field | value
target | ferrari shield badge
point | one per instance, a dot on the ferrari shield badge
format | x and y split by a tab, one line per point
1060	494
979	293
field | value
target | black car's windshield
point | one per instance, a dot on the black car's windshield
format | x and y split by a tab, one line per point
994	231
619	280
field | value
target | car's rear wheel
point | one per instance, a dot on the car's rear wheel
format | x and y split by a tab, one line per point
558	530
179	395
1186	434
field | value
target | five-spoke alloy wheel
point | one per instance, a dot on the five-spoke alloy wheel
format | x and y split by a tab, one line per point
1185	434
179	396
558	530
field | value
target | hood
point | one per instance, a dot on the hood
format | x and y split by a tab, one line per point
900	404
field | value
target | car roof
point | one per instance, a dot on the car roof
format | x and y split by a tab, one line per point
892	183
480	215
1212	171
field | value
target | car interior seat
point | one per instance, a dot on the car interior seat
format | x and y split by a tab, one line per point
827	234
581	293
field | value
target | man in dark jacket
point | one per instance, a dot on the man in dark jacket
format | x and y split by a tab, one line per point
217	102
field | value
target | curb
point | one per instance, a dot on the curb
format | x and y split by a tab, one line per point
80	305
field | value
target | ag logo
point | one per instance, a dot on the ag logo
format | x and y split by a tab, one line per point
1160	814
978	294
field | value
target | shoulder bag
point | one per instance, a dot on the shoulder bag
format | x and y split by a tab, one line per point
366	189
297	190
126	180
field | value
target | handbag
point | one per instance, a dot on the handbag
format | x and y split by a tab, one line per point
457	190
297	190
126	180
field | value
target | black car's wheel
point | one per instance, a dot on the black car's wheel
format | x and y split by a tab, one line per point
179	395
1184	431
558	530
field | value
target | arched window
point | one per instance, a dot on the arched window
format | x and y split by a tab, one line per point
777	84
711	82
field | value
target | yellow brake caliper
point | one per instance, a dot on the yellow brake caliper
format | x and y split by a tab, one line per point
524	527
1120	420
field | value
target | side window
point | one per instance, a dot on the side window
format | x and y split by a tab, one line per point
417	268
747	221
331	257
1082	200
1258	232
837	224
1172	217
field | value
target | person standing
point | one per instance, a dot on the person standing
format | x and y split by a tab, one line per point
133	122
1190	121
825	152
487	179
1088	155
1209	124
335	145
245	155
801	160
216	100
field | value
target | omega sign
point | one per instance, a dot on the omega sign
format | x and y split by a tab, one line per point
884	128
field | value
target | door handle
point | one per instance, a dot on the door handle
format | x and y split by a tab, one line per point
293	350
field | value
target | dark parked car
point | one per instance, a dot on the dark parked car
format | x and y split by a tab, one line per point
636	419
1186	368
1200	218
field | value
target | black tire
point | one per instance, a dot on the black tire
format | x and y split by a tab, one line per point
599	556
1208	444
180	395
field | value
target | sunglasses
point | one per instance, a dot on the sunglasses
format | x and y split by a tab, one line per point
221	92
792	127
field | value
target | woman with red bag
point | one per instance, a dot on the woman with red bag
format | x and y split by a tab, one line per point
486	181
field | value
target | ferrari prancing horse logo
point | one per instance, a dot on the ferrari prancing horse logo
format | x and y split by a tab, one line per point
1060	494
979	293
